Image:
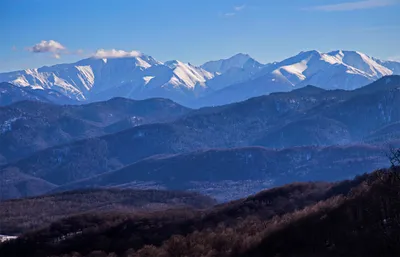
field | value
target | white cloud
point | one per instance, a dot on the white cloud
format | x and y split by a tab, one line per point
14	48
51	46
113	53
239	8
47	46
56	49
351	6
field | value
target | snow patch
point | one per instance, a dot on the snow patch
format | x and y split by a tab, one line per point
4	238
142	63
147	79
86	76
20	81
7	125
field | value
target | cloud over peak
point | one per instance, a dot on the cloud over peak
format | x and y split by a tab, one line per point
113	53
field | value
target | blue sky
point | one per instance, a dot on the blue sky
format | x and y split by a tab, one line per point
193	30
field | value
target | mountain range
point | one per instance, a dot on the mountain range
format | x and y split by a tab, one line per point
225	151
213	83
30	126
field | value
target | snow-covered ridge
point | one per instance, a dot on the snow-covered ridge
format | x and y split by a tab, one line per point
336	69
87	78
189	74
139	76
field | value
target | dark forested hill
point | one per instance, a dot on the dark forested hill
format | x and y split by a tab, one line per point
356	217
21	215
234	173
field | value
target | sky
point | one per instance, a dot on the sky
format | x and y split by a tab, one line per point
35	33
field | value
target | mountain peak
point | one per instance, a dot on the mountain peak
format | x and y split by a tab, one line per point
310	52
240	55
239	58
173	63
223	65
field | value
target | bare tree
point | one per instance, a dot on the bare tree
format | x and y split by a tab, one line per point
394	156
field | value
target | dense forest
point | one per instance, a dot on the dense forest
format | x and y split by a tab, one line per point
358	217
21	215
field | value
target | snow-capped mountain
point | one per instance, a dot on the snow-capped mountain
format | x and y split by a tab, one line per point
188	74
140	76
136	77
334	70
234	73
223	65
337	69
